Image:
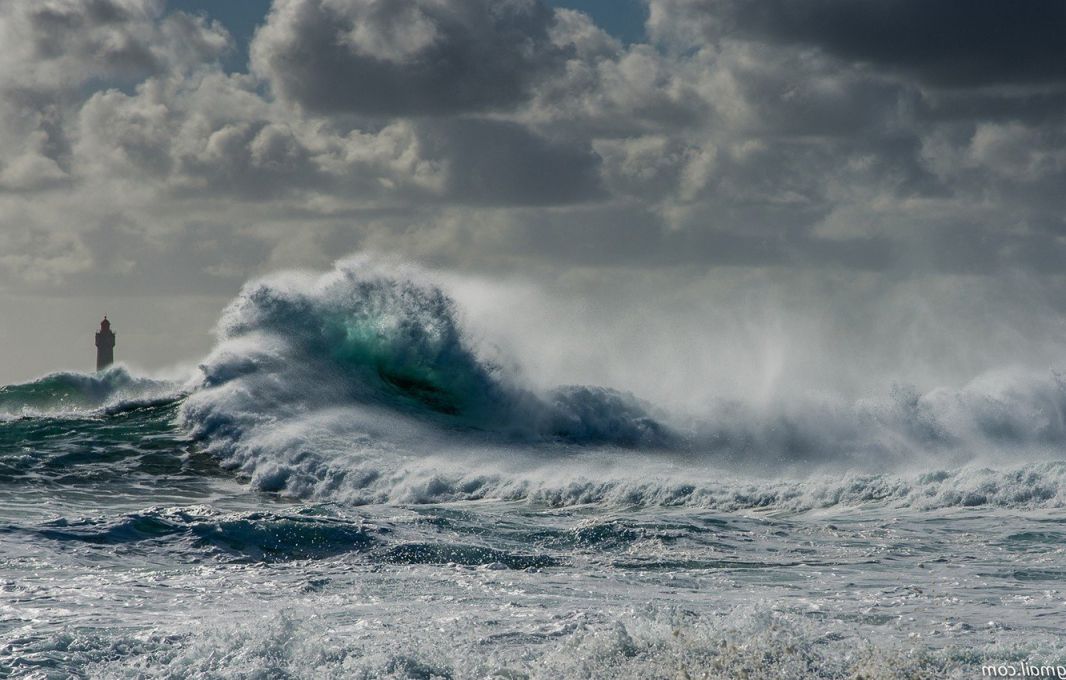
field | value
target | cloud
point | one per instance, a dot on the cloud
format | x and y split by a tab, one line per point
607	90
53	45
40	257
405	57
212	135
945	44
58	51
737	136
35	154
500	163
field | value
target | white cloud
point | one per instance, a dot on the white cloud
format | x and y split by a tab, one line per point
56	45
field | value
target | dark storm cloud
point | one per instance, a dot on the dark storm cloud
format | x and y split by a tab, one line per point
1034	108
948	43
405	57
499	163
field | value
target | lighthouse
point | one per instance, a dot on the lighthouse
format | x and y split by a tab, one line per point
105	345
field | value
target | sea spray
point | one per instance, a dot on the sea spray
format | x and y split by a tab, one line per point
362	385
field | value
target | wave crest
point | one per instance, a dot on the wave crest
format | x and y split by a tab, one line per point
75	393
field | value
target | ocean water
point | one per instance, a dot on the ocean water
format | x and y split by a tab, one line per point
346	487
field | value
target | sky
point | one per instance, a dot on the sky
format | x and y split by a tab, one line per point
830	193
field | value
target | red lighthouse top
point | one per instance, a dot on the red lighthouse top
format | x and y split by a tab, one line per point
105	325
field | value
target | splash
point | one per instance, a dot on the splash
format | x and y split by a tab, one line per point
362	384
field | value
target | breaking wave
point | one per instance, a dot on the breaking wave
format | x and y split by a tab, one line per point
361	384
360	335
364	378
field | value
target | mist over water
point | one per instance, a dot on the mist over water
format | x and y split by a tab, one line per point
682	340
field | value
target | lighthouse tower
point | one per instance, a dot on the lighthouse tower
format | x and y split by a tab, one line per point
105	345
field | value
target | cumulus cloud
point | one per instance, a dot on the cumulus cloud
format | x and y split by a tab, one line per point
56	44
405	57
57	50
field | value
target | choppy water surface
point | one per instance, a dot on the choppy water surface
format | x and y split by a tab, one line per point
366	497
